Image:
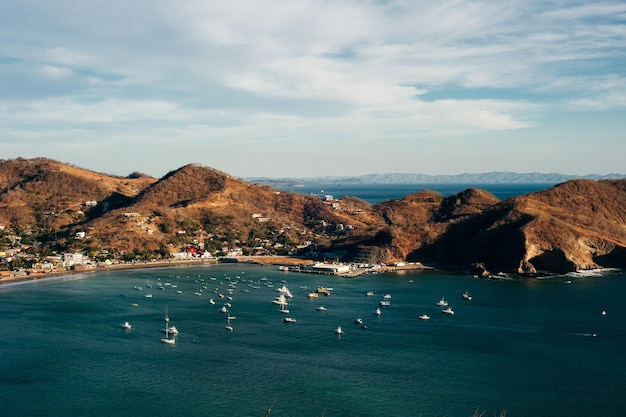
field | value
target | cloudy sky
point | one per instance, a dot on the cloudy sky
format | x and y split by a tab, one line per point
309	88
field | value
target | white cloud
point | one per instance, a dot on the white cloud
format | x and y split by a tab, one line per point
350	71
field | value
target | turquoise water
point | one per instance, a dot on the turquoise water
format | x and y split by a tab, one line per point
532	347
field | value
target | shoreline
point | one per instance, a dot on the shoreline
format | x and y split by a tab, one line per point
258	260
47	276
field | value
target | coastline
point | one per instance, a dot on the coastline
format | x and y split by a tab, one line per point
259	260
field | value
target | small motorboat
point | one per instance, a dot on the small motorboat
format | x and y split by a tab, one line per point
442	302
466	296
358	321
447	311
339	330
126	326
321	308
289	320
378	312
424	317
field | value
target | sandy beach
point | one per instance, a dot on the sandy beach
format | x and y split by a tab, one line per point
61	274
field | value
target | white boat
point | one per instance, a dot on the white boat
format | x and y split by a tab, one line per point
387	296
321	308
228	326
211	301
223	309
289	320
447	311
148	295
167	339
442	302
280	300
358	321
126	326
466	296
339	330
378	312
424	317
283	290
284	310
384	303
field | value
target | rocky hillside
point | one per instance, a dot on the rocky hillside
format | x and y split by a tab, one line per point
578	224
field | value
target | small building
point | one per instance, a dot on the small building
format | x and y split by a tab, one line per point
336	269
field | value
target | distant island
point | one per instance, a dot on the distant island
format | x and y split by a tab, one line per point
496	177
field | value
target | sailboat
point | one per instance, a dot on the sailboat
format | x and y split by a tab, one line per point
167	339
228	326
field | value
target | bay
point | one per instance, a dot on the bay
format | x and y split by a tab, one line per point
375	193
531	347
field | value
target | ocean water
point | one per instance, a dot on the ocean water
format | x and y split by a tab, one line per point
375	193
531	347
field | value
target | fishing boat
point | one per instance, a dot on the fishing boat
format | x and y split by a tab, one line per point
448	311
167	339
384	303
442	302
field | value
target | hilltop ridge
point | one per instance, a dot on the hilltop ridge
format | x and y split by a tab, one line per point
50	207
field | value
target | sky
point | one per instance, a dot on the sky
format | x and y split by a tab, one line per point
268	88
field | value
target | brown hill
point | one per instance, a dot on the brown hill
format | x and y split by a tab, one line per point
43	193
579	224
576	225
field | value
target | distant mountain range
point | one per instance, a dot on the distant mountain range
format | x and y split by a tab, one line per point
497	177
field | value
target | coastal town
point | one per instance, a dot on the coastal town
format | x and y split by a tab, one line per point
22	256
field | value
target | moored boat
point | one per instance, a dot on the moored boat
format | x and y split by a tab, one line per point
424	317
448	311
